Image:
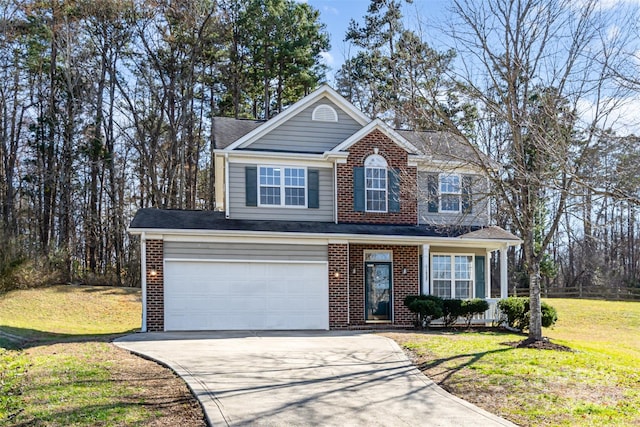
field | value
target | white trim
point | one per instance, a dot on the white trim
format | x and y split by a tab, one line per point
425	269
487	275
377	124
226	186
330	111
324	91
386	185
316	160
441	194
143	284
245	261
283	187
504	277
472	290
335	192
493	244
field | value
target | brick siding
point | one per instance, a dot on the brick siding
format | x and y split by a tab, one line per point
155	286
396	158
403	284
338	255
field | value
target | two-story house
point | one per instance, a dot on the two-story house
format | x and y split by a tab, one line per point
325	219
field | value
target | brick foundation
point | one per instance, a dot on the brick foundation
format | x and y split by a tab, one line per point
155	286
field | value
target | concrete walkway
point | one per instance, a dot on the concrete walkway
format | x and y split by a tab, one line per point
306	379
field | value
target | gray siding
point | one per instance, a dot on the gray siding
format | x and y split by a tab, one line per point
239	210
301	134
479	215
244	251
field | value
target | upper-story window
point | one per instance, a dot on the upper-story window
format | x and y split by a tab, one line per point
282	186
324	113
375	172
450	192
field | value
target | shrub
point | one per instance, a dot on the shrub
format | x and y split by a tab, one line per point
451	310
472	307
427	307
517	310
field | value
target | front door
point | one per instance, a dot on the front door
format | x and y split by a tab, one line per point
378	291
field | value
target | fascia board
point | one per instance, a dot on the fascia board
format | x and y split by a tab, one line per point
381	126
294	109
185	235
315	160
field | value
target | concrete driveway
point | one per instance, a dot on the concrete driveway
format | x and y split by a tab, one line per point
306	378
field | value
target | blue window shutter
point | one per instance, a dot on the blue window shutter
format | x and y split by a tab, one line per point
432	193
394	190
467	196
313	196
251	185
480	282
358	189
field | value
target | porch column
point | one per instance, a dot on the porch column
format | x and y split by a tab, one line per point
504	286
487	274
425	270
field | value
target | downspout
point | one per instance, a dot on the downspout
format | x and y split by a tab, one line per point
335	191
143	281
226	185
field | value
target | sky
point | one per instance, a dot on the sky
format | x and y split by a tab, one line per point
336	14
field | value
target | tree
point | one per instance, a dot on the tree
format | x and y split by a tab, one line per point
530	65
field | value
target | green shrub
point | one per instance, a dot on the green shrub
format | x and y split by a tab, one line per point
472	307
427	308
451	310
517	313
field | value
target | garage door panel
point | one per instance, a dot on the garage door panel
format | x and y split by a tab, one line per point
260	295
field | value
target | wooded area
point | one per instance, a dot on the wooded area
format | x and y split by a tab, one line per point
106	107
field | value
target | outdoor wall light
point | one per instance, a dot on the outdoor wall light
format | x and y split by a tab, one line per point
336	274
153	273
404	270
353	271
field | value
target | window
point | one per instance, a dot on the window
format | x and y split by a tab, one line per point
281	186
452	276
450	193
375	173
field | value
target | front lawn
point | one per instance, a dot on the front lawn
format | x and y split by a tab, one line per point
68	374
596	384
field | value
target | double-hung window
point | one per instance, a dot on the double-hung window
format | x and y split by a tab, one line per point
282	186
452	276
375	178
450	193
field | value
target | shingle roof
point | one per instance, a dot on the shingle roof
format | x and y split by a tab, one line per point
150	218
491	233
227	130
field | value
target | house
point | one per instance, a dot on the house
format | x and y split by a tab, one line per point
325	219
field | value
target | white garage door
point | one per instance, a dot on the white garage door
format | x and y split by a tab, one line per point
241	296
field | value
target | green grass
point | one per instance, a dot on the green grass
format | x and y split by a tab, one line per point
67	373
597	384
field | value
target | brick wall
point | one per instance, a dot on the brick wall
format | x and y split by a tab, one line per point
396	158
155	286
403	284
338	295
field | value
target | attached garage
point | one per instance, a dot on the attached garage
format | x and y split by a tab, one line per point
213	286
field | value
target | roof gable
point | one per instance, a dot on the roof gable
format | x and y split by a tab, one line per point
324	92
378	124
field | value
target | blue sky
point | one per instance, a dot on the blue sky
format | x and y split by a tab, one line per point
336	14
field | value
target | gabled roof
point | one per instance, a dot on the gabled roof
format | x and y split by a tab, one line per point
323	92
444	147
378	124
491	233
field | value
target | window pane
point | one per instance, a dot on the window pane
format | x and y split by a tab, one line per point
442	288
293	177
269	195
376	200
463	289
376	189
378	256
464	266
294	196
449	184
441	267
450	203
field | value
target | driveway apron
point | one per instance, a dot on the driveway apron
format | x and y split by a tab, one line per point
306	379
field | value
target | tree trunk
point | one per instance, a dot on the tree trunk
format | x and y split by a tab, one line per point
535	322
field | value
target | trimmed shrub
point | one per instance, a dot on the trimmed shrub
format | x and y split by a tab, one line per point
517	313
427	308
451	310
472	307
